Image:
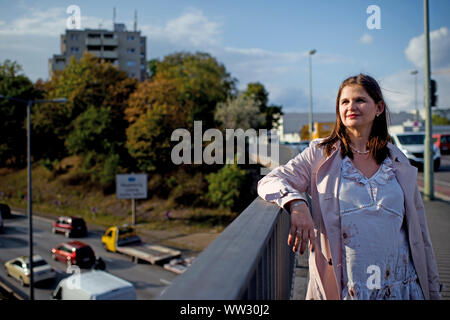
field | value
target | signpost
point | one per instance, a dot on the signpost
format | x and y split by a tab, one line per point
131	186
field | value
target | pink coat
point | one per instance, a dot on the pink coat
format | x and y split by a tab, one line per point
314	173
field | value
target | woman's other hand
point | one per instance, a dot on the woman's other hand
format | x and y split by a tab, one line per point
302	226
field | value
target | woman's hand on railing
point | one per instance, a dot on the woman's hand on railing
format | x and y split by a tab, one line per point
302	226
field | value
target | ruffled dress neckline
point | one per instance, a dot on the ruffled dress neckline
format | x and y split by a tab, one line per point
384	173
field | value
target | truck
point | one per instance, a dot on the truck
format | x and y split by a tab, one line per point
123	239
94	285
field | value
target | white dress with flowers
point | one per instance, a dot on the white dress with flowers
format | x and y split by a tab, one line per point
376	256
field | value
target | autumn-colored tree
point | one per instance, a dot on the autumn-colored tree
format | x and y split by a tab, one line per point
88	82
149	137
202	82
159	91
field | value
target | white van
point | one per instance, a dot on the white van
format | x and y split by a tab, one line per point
412	145
94	285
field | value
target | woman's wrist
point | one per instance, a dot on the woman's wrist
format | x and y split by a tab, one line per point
297	203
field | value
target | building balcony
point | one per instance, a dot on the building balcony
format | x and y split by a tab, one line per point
110	54
110	42
93	41
96	53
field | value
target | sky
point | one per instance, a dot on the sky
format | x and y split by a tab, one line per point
264	41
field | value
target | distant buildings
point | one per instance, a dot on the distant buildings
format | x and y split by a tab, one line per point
124	49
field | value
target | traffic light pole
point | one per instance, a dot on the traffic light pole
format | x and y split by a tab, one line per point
428	143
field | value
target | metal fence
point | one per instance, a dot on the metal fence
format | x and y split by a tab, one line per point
250	260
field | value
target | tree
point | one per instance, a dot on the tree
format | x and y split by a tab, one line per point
148	138
241	112
202	83
92	131
272	112
13	114
225	186
440	121
85	83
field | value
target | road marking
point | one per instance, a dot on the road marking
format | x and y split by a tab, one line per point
167	282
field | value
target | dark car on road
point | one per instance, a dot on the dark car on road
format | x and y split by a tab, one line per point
70	226
5	211
74	253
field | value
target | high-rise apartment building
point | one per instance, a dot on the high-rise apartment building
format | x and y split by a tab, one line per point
124	49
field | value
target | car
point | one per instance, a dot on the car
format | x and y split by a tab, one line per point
5	211
412	145
18	268
2	228
94	285
74	253
442	142
70	226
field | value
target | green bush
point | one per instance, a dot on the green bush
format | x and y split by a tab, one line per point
225	186
186	188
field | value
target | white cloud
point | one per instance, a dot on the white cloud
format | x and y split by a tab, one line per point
439	49
366	39
399	90
50	22
191	28
46	23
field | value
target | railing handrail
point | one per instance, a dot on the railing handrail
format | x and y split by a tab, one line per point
249	260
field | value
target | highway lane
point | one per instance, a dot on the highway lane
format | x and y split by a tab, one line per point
149	280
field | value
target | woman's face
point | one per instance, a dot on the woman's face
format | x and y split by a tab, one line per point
356	108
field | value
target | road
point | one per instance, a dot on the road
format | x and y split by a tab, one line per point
149	280
441	178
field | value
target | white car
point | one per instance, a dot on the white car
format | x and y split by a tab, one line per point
412	145
19	268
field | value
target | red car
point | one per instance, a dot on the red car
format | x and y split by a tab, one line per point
74	253
442	142
70	226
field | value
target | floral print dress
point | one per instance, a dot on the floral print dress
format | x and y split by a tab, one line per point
376	256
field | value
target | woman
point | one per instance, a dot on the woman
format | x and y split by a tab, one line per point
367	228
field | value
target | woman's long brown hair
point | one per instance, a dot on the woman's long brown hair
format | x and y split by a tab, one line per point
379	135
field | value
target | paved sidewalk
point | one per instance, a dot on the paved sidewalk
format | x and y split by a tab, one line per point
438	220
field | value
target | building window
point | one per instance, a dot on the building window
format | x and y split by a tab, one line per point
131	74
131	63
74	49
73	37
130	50
130	37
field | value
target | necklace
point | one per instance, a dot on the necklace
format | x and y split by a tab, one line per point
357	151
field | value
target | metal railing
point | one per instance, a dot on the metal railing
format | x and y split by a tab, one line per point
250	260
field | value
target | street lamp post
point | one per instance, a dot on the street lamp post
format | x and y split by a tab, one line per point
428	154
414	73
29	195
310	53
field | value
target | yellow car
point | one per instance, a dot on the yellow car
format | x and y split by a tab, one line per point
18	268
